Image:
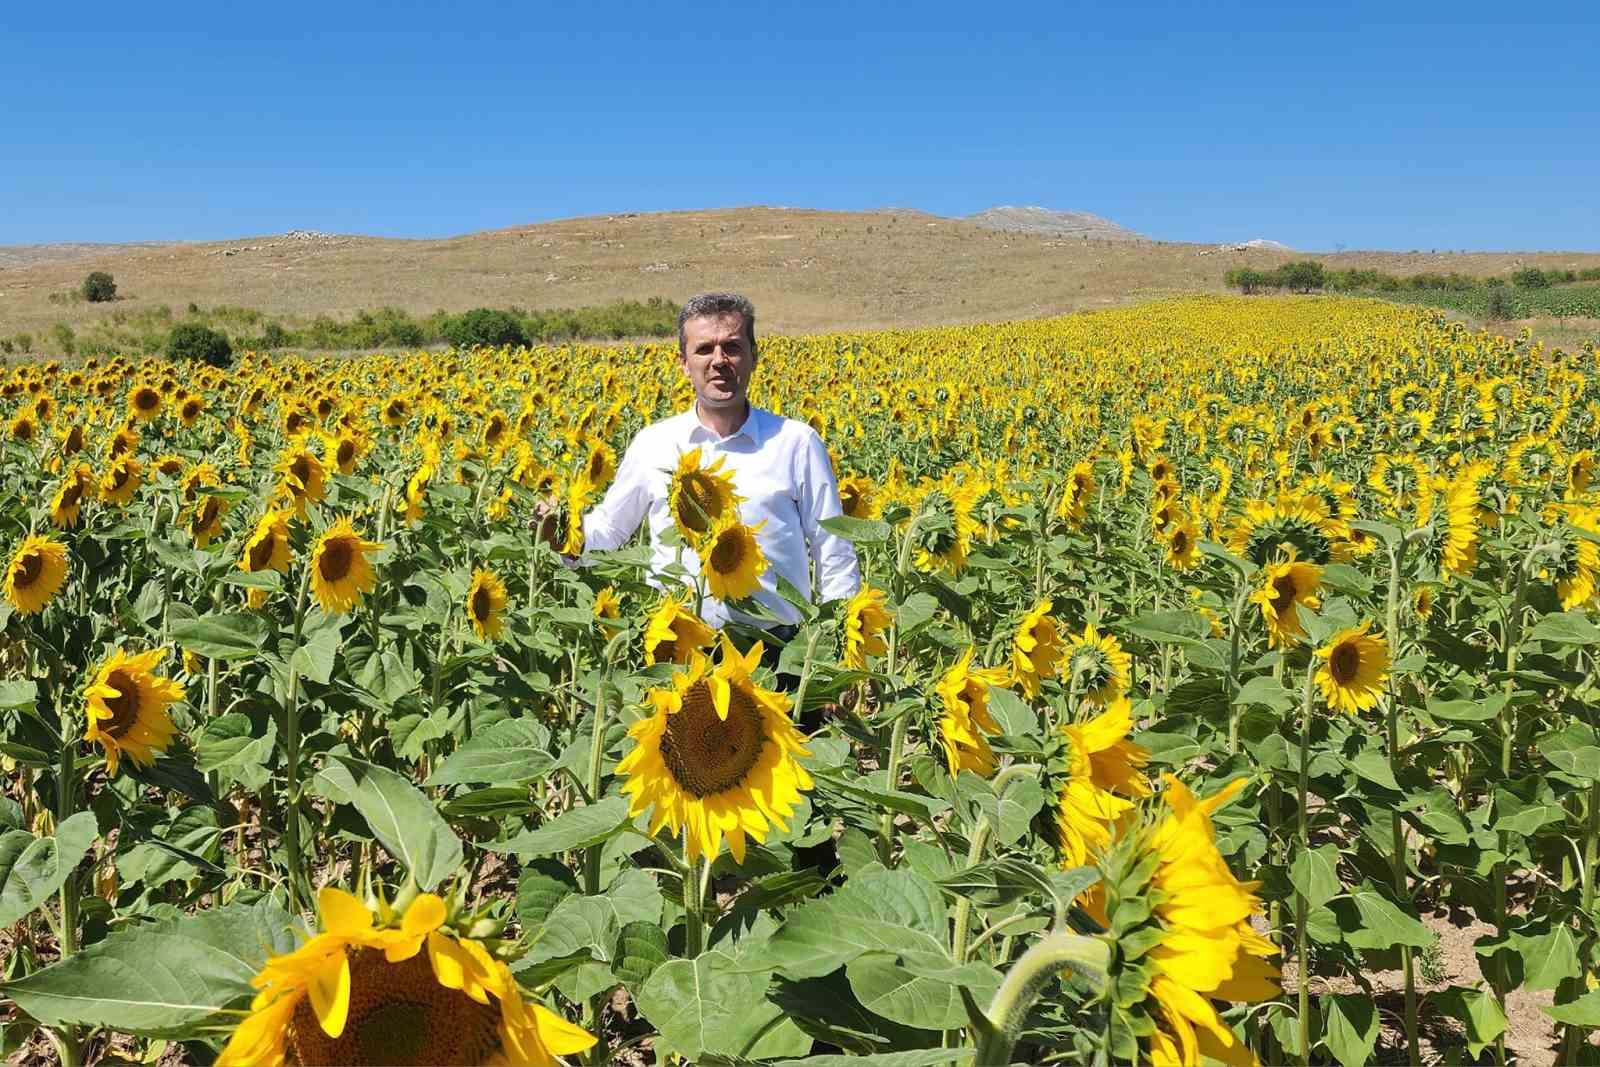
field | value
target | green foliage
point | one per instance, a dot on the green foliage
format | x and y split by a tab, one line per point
484	328
192	342
1533	291
99	287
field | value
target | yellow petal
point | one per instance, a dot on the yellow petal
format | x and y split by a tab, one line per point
558	1035
342	914
426	914
330	996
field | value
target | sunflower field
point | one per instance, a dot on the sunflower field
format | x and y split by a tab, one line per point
1213	657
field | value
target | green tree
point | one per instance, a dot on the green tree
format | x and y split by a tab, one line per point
99	287
1302	276
484	328
192	342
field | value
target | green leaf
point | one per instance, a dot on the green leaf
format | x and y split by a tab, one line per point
1266	691
1014	809
543	885
1000	881
1524	805
159	977
404	820
875	910
1374	767
1575	750
1015	717
905	803
315	657
1476	1009
18	695
32	868
1548	956
223	636
1383	925
578	828
1467	710
641	948
1567	628
1350	1027
1165	627
707	1005
1585	1011
227	740
927	1001
510	752
859	531
1315	874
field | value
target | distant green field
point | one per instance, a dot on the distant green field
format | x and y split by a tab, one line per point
1557	301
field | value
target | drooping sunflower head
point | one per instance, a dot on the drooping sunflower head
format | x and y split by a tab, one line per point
1181	541
674	634
66	506
1355	666
303	478
191	408
1296	521
486	604
121	480
1077	490
1103	777
608	608
1206	954
700	498
866	617
858	496
38	569
732	560
127	704
943	531
1286	586
1097	665
1036	648
267	548
965	719
340	570
391	988
719	758
1577	562
205	521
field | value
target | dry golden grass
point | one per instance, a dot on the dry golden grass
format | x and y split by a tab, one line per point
806	270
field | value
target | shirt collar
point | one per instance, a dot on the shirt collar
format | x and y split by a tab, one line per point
754	427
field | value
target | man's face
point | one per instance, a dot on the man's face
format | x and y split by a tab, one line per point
718	360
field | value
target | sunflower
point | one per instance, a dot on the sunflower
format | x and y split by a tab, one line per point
1422	599
340	571
73	440
38	569
144	402
858	496
1036	648
674	634
1576	567
719	758
303	478
1285	586
268	547
123	442
169	465
196	478
66	506
341	451
127	707
1101	764
943	529
1182	542
866	616
1354	667
732	560
1404	485
486	604
964	694
191	409
700	498
1298	520
608	608
121	480
417	490
363	991
1097	664
205	521
24	428
1204	949
600	465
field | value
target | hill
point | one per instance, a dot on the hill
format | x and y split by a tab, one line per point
1055	223
807	271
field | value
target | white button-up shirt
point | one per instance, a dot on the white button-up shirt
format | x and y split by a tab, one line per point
781	469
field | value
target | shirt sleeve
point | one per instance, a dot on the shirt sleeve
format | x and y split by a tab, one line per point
611	522
838	574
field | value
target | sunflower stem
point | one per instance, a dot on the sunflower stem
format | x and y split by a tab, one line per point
958	939
694	916
67	936
1397	826
291	748
1573	1043
1301	904
997	1029
897	744
1235	622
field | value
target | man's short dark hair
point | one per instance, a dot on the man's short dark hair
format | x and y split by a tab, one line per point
715	305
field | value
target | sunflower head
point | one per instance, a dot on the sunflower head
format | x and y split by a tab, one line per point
205	521
1285	587
1355	665
66	506
127	704
267	548
37	570
700	498
144	402
1036	648
732	560
719	758
1098	666
608	608
858	496
674	634
486	604
965	719
121	480
866	617
340	570
303	478
380	987
1102	778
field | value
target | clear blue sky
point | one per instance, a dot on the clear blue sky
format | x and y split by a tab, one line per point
1362	125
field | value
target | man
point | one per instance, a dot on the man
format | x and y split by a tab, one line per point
780	467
